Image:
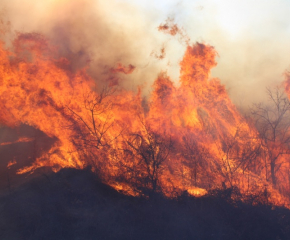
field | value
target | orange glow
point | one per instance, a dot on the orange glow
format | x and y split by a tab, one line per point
24	139
187	138
11	163
197	191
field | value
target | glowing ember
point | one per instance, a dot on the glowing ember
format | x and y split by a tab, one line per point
197	191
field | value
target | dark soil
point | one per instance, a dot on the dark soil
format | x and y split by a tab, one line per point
74	204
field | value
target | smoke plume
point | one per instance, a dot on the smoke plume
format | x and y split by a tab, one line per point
250	38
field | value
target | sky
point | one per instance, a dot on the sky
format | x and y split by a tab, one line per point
251	37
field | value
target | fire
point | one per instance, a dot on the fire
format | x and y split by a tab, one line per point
23	139
11	163
185	137
197	191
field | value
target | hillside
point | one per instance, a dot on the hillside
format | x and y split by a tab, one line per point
74	204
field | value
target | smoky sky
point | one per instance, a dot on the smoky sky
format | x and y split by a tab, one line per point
96	34
251	38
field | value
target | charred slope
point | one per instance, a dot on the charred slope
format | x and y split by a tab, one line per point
74	204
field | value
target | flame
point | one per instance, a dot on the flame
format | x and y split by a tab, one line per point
11	163
23	139
197	191
186	137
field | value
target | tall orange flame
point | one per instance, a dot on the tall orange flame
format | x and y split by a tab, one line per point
186	138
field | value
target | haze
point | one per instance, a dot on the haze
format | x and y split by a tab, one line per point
251	38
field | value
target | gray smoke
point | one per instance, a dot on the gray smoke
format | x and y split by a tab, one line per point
252	39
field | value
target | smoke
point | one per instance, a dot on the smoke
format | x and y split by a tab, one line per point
251	38
98	35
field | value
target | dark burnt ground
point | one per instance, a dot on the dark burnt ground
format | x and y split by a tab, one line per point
74	204
24	153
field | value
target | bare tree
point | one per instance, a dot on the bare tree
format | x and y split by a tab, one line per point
273	124
241	152
149	150
92	126
195	157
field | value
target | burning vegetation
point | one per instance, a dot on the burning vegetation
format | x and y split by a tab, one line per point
187	137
